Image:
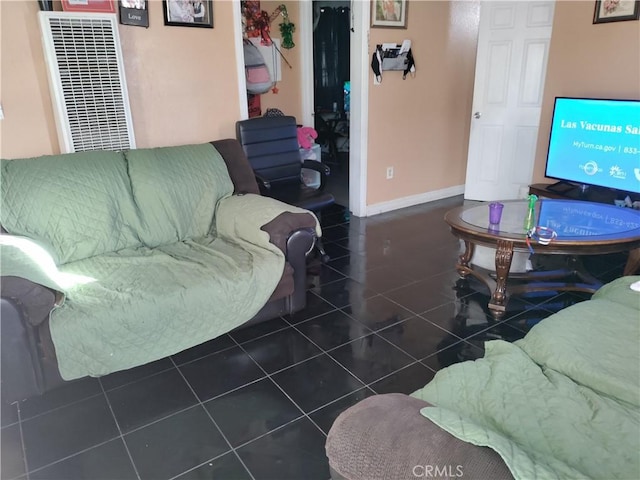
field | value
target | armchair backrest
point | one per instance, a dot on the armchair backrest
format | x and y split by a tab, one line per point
271	145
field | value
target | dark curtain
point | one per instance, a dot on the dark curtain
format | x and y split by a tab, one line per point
330	57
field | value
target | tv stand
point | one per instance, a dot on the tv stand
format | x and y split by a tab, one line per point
565	190
560	187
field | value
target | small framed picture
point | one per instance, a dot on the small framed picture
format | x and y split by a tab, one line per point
94	6
188	13
616	11
389	13
134	12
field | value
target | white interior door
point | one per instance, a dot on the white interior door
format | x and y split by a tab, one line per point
513	48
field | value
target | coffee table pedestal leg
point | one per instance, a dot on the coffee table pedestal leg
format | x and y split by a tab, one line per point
499	298
633	262
463	266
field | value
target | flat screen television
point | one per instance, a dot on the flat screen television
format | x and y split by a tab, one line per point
595	142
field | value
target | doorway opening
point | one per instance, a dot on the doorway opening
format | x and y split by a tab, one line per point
332	91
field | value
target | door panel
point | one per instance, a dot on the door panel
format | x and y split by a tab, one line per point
491	136
498	72
525	148
535	57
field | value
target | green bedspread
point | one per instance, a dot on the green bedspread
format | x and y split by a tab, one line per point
153	253
130	307
564	402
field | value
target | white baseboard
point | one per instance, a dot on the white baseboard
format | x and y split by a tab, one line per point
412	200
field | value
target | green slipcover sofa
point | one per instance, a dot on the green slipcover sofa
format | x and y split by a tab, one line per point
563	402
111	260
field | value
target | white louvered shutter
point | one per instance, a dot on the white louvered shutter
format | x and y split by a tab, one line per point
86	76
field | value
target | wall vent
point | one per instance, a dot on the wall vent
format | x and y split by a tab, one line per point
86	77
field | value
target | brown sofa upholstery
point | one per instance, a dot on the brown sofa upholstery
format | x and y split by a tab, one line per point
28	358
367	443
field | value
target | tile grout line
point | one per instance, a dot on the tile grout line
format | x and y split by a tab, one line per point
75	402
177	365
22	445
115	419
322	352
5	405
313	316
371	332
420	315
259	336
67	456
213	459
326	352
126	384
79	452
417	362
353	317
268	375
157	420
215	424
367	385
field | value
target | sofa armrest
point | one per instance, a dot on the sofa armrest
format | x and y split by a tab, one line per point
283	228
25	307
262	220
28	259
34	301
317	166
320	167
263	184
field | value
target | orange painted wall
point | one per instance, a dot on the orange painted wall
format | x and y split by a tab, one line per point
183	86
28	127
182	81
420	125
587	60
289	96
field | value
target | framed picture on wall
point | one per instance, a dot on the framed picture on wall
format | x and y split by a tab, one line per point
134	12
616	11
95	6
389	13
188	13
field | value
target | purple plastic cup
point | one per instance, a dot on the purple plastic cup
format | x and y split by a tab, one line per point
495	212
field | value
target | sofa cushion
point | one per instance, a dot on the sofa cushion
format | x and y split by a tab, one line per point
79	205
144	304
176	190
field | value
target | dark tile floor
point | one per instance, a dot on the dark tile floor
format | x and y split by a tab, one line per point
383	315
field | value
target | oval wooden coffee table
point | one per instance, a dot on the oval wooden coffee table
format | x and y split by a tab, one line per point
582	228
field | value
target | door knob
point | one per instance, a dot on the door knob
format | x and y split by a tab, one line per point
477	115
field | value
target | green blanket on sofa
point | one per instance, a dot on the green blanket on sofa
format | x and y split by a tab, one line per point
153	253
564	402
